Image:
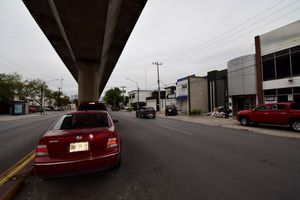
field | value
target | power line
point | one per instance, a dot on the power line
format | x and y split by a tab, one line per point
10	62
223	35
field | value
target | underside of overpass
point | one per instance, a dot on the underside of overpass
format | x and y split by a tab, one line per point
89	36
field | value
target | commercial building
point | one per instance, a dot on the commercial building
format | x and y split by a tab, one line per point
278	64
242	83
191	94
217	89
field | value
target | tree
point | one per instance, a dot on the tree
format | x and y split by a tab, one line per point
113	97
75	101
33	89
10	85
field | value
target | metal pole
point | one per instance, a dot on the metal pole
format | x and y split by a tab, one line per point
138	97
158	83
138	91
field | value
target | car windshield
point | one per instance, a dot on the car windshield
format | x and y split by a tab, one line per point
78	121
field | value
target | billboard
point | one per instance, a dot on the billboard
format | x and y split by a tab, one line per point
182	90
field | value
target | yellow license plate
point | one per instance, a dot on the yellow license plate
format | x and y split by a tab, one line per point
79	146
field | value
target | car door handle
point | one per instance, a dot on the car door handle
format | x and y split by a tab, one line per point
283	113
266	113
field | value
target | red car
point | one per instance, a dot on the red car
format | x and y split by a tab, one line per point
79	142
284	113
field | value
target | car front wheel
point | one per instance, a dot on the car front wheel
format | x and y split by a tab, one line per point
244	121
295	125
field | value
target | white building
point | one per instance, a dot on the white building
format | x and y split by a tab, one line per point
139	96
278	64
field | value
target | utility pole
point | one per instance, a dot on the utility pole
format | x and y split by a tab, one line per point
60	92
145	78
158	83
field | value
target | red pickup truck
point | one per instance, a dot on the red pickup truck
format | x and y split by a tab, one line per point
287	113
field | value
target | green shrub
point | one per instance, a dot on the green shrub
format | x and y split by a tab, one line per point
195	112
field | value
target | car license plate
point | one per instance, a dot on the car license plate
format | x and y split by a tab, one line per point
150	115
79	146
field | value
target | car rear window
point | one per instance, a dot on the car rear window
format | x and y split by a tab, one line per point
96	106
78	121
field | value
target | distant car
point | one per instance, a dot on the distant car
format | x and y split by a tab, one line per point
33	109
283	113
79	142
146	112
170	110
91	106
115	108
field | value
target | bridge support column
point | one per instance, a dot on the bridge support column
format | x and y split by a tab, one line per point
88	85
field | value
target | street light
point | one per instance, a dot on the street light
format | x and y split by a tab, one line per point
43	92
138	92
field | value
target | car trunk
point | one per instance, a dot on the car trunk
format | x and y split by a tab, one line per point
88	142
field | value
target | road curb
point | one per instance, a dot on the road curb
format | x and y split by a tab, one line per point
14	178
241	128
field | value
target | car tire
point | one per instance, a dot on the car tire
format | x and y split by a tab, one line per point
118	165
244	121
154	117
295	125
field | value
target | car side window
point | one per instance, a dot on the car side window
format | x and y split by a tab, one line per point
276	107
262	108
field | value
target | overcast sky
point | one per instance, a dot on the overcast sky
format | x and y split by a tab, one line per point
186	36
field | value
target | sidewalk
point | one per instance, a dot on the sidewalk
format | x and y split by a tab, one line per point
234	124
5	118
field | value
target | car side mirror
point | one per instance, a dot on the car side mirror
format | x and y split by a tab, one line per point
254	109
115	120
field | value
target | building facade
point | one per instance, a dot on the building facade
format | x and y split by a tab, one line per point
140	96
241	75
191	94
217	89
278	64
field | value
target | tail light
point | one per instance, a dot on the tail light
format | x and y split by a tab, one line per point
112	142
42	150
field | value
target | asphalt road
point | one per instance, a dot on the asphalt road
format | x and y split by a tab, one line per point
19	137
168	159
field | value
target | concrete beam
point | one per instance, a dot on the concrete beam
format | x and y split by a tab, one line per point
89	36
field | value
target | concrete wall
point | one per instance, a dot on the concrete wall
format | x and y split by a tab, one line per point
242	76
198	94
182	106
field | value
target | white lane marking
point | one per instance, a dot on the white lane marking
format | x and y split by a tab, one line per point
176	130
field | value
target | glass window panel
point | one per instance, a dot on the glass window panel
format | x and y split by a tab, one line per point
283	66
296	63
268	69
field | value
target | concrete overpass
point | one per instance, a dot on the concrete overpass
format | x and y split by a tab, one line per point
89	36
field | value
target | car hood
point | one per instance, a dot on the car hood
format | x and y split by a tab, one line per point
244	112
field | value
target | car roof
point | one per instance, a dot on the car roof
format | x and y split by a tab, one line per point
87	112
